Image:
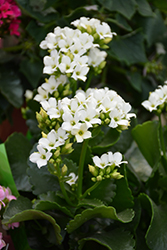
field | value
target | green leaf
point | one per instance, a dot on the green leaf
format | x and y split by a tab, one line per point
100	212
161	5
33	29
18	149
111	240
19	238
122	48
11	88
20	210
121	21
51	201
144	8
126	8
147	138
139	163
104	192
123	198
45	180
32	69
153	27
6	177
90	203
135	80
156	233
41	15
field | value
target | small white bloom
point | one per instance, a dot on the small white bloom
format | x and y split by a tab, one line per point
41	157
80	72
81	132
28	94
102	161
73	179
42	95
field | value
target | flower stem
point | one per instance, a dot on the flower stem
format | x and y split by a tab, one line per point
91	189
81	167
62	187
161	138
89	80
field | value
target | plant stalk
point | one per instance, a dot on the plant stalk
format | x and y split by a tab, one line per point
91	189
161	138
81	167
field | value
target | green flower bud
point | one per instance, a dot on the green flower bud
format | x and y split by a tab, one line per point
102	65
99	178
107	40
64	170
93	170
116	175
39	117
107	121
43	114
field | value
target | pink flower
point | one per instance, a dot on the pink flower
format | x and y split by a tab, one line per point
9	195
13	27
13	225
2	242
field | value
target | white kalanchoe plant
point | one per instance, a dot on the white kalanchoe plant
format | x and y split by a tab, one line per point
64	120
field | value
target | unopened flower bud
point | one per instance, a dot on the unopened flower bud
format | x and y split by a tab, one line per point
64	170
93	170
116	175
107	121
107	40
99	178
57	153
89	29
43	113
44	135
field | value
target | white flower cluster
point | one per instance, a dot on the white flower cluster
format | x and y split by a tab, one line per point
49	87
95	27
78	115
108	159
72	52
156	98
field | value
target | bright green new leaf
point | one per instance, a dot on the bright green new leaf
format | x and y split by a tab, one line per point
6	177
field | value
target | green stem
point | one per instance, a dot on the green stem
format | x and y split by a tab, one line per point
63	188
14	48
161	138
91	189
89	80
81	167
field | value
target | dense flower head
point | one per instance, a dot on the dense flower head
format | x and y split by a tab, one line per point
9	22
157	99
73	52
77	117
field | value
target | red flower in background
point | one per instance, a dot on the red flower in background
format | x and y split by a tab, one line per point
9	22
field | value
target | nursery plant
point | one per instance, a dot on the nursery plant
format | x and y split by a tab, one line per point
90	173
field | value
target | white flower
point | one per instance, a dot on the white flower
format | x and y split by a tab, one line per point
73	179
42	95
80	72
51	62
89	117
70	121
153	102
28	94
55	112
80	132
102	161
51	103
51	142
95	57
66	66
103	30
62	136
41	157
116	158
51	85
